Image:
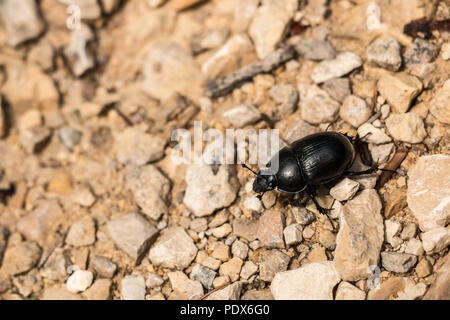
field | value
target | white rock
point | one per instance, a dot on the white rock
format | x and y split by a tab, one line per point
194	290
445	51
242	115
133	146
314	281
414	246
439	106
385	53
407	127
316	106
360	236
341	65
355	110
22	20
79	281
248	269
293	234
133	288
372	134
207	190
269	25
428	191
286	96
174	249
381	153
254	204
345	189
436	240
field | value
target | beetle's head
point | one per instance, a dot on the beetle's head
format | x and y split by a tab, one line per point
264	183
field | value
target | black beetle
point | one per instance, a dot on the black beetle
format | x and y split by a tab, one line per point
311	161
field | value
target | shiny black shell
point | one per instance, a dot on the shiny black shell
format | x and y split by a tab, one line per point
313	160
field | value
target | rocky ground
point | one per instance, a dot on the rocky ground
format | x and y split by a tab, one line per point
92	205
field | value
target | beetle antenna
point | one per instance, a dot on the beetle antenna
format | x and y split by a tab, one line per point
247	167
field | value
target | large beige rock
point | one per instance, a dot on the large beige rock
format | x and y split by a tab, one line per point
360	237
428	194
208	190
399	90
316	106
314	281
407	127
270	23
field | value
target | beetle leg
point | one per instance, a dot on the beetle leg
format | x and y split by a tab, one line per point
368	171
321	209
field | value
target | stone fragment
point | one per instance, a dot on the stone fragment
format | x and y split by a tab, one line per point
103	267
221	251
20	257
338	88
344	190
167	63
231	268
150	188
133	146
286	96
82	232
315	49
414	293
314	281
69	137
239	249
222	231
242	115
440	288
174	249
381	153
298	130
409	231
270	229
355	111
414	246
194	290
230	292
179	282
436	240
398	262
385	53
269	25
22	20
293	234
316	106
344	63
153	280
360	237
264	294
399	90
59	292
133	288
302	216
427	194
373	134
422	51
271	262
79	53
209	190
439	106
245	228
132	234
327	239
248	269
35	140
234	54
79	281
204	275
424	268
407	127
100	290
347	291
